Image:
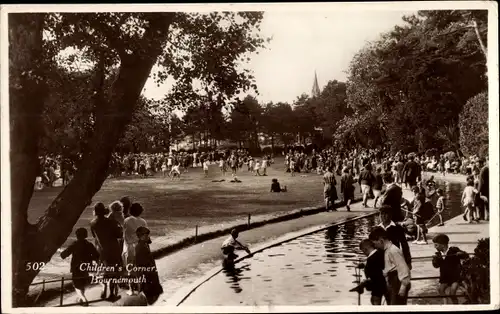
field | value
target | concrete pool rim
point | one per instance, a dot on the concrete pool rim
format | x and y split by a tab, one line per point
178	298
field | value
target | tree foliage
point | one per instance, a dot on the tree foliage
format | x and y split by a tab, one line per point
117	52
473	125
407	88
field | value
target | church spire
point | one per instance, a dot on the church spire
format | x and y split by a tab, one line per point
315	88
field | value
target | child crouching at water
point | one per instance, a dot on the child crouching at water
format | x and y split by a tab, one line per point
83	252
275	186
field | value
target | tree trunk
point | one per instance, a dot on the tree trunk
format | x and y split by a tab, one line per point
26	100
478	35
37	243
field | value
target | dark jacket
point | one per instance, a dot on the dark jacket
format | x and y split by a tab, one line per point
412	171
450	266
398	238
374	272
107	233
377	185
366	177
82	252
484	184
392	197
143	258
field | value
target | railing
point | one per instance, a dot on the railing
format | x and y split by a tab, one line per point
357	274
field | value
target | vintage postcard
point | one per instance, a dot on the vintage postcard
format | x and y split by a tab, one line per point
317	157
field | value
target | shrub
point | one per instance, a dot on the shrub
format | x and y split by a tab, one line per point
473	124
476	274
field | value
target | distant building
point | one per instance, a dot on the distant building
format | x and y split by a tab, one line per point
315	89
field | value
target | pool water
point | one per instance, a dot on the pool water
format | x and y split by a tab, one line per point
317	269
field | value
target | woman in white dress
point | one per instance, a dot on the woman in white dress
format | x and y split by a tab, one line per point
130	226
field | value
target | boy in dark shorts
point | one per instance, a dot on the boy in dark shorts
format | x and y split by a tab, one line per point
83	252
448	260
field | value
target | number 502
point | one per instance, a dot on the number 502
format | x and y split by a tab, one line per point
34	266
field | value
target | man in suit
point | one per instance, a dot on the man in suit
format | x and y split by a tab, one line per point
392	197
374	268
395	232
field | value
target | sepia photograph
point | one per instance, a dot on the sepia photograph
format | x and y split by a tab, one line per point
250	157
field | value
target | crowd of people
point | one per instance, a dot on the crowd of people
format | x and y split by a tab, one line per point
121	237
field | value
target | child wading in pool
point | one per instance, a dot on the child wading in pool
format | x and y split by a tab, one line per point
230	245
448	260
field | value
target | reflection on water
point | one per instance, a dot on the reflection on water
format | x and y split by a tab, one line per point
315	269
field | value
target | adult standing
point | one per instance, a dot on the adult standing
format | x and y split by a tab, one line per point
484	190
107	233
131	224
366	180
347	188
329	189
393	196
412	172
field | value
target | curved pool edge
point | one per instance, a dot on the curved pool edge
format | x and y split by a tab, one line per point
179	297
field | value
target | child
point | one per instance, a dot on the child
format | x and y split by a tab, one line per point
468	201
205	168
448	260
374	271
422	211
275	186
292	167
256	168
83	252
230	245
396	271
144	261
164	169
440	205
250	165
175	172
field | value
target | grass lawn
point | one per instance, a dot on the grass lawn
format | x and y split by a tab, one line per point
173	206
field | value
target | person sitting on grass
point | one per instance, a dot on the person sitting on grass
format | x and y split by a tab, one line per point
275	186
230	245
448	260
83	252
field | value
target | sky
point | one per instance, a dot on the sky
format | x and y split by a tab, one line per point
305	42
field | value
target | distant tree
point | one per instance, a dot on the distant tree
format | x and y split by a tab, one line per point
278	122
245	121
